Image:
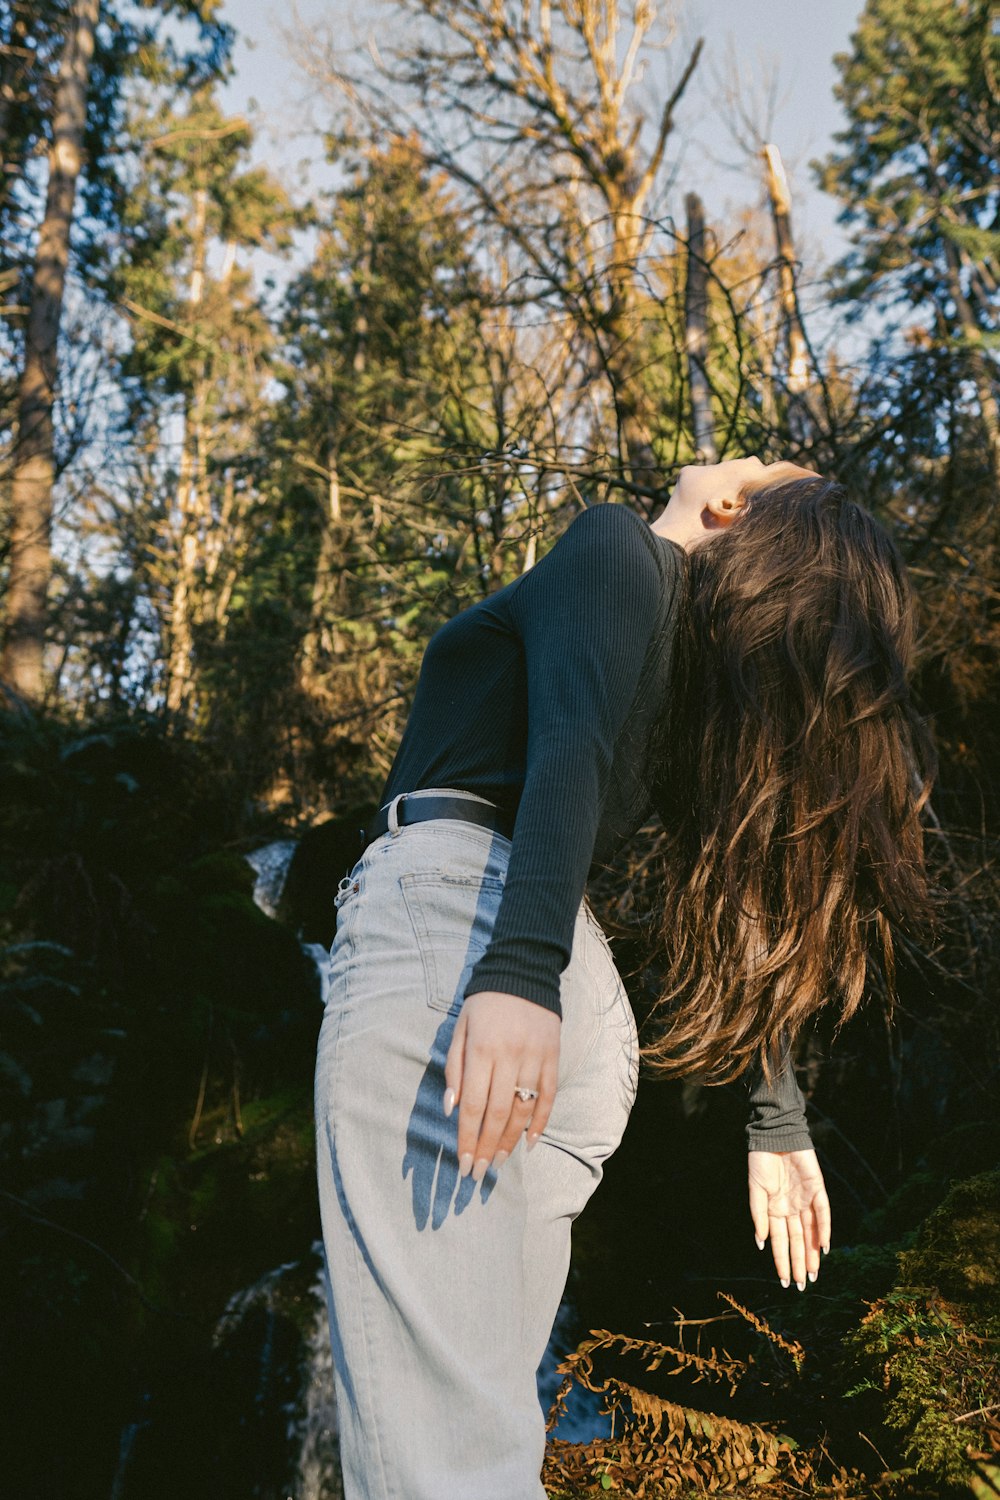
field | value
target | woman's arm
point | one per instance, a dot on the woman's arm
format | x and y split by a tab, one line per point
585	615
777	1110
788	1199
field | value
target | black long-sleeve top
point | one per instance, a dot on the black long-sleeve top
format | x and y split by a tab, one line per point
541	698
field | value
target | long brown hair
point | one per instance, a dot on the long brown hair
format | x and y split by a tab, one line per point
790	774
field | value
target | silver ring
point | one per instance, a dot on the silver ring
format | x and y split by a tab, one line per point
525	1095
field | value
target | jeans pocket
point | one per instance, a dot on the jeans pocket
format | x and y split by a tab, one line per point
452	918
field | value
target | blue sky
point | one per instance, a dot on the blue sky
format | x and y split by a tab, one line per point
797	38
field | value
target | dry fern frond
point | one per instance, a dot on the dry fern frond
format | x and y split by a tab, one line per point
712	1366
790	1346
665	1447
673	1449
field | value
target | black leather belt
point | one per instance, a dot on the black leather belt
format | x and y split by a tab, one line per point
417	809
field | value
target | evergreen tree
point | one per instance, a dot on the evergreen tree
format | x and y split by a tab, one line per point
370	507
918	170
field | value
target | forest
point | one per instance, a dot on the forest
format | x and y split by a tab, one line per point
256	445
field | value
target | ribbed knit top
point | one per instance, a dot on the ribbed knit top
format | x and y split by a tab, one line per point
537	698
541	698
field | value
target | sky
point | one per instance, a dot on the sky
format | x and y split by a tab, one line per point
792	40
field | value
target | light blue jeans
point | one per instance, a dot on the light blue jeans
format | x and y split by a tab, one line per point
442	1294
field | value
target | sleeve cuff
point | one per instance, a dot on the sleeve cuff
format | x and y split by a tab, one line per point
780	1138
511	982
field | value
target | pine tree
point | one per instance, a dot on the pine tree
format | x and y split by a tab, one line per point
918	170
371	506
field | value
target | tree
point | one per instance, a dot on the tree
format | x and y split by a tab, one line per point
34	463
530	111
200	338
77	117
919	174
375	496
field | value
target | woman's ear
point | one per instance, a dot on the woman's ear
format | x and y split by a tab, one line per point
722	510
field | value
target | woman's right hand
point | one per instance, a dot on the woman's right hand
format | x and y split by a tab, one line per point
501	1042
789	1203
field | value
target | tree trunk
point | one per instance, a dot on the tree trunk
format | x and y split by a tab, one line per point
34	457
625	353
188	490
320	641
797	372
696	332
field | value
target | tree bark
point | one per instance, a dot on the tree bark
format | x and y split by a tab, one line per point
190	479
797	371
34	458
320	639
696	332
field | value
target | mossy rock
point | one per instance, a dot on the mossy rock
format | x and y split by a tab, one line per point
958	1246
931	1345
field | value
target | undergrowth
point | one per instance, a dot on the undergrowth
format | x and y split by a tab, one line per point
913	1381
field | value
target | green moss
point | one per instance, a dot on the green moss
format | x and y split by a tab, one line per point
931	1345
958	1248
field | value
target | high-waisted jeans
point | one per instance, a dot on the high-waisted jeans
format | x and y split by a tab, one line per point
442	1293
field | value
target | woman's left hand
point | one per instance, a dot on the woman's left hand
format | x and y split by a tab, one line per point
788	1202
501	1042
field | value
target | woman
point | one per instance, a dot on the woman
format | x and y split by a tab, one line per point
740	665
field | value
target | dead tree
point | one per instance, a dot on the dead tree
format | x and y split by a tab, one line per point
565	168
696	332
797	369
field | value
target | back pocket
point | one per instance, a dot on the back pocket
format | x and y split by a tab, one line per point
452	918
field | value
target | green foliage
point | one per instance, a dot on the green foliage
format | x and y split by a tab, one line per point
194	188
917	171
932	1343
911	1354
158	1033
168	43
917	168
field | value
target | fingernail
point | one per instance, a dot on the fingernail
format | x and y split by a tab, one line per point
758	1242
500	1158
825	1249
811	1275
449	1102
464	1164
784	1281
532	1141
479	1170
801	1285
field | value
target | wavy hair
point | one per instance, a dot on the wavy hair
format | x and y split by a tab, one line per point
790	773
